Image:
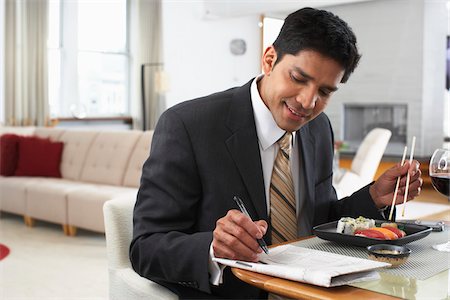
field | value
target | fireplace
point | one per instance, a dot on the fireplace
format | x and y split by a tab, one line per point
359	119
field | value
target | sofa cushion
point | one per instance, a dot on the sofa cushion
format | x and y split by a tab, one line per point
9	153
13	192
39	157
19	130
85	206
140	153
108	157
48	132
47	199
76	146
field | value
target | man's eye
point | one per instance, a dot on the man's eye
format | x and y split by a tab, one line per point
298	80
324	93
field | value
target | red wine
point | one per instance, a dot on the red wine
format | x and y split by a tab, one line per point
441	183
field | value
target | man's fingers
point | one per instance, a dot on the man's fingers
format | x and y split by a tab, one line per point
262	225
382	190
414	190
413	176
228	246
235	236
243	229
398	170
246	223
224	250
414	171
233	231
415	166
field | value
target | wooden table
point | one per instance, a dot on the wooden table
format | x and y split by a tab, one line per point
297	290
387	284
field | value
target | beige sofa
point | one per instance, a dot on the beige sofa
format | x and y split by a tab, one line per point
96	166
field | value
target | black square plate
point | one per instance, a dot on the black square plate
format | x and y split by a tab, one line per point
413	232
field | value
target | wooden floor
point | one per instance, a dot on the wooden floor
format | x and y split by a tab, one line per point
384	165
428	194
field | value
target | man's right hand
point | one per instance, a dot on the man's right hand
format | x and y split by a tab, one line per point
235	237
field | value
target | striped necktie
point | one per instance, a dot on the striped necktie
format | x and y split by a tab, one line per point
282	198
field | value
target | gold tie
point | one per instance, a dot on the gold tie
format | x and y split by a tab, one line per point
282	198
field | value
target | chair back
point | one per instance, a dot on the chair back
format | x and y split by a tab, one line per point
118	215
124	282
369	154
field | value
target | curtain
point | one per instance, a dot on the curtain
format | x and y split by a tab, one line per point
26	95
147	63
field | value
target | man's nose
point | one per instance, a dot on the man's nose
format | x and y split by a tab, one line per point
307	97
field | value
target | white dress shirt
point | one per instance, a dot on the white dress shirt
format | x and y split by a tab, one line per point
268	134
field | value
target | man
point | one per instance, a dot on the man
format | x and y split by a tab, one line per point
206	151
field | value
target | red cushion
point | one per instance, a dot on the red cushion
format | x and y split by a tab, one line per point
9	145
39	157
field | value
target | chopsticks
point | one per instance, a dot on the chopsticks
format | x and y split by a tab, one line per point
397	185
411	155
405	196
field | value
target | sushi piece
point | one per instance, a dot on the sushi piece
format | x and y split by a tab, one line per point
346	225
388	234
398	232
389	225
370	233
364	223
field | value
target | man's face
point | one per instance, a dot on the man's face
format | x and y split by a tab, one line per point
297	89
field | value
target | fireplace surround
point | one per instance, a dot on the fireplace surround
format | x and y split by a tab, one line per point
359	119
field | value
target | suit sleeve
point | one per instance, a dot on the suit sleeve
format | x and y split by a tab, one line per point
166	245
360	203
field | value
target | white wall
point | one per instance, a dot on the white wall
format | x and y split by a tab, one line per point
403	47
230	8
2	64
402	42
196	50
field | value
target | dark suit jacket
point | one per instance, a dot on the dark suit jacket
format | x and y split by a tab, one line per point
203	153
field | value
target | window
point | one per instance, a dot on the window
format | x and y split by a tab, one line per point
88	58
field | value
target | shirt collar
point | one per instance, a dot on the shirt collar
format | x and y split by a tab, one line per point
266	127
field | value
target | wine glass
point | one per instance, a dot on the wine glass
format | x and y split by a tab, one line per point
439	171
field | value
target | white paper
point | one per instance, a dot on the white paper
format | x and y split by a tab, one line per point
311	266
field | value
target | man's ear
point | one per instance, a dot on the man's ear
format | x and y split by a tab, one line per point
268	60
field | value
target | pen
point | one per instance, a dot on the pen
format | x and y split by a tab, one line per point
261	242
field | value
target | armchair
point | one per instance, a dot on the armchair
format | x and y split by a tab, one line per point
364	164
124	282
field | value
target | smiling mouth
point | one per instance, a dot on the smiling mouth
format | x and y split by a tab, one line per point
296	113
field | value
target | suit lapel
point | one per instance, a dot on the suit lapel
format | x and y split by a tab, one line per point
244	149
306	144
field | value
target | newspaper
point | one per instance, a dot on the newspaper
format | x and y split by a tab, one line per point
310	266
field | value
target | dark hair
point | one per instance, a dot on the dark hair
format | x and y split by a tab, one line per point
321	31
